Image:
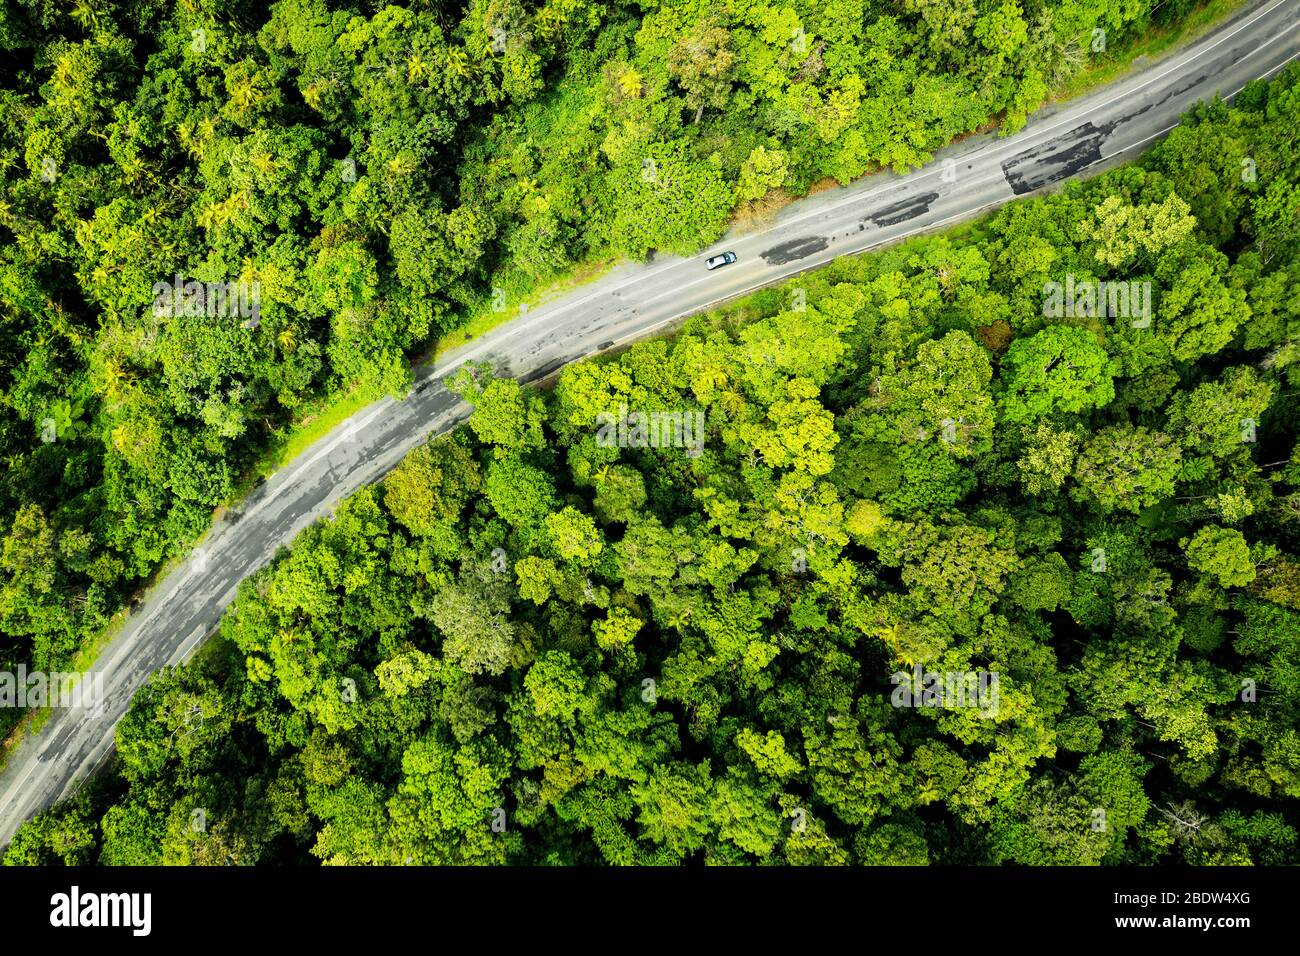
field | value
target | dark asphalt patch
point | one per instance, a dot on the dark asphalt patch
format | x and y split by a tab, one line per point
902	210
545	370
1058	158
794	250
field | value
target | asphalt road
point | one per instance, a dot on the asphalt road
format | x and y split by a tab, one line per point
1083	137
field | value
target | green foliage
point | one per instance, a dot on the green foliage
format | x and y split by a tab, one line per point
1221	553
529	647
1060	369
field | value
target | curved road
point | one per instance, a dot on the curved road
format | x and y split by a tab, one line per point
1110	126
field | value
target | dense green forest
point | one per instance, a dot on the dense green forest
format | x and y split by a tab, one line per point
545	639
376	173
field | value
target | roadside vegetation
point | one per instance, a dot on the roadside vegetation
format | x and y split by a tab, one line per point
923	557
223	223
